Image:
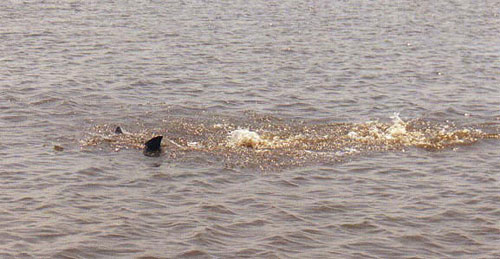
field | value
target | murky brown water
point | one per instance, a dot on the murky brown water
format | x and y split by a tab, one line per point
284	144
280	133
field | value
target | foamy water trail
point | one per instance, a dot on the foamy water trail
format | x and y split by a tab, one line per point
292	144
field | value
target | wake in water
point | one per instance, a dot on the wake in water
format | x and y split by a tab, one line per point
268	142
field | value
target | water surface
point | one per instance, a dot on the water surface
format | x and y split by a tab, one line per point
340	180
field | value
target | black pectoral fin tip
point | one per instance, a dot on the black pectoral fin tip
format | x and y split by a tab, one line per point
153	145
118	130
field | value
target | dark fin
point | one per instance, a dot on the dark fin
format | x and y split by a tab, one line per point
153	146
118	130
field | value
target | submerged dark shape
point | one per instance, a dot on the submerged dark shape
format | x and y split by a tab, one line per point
118	130
153	146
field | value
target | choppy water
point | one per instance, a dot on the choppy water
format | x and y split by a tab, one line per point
323	170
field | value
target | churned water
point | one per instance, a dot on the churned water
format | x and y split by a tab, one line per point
292	129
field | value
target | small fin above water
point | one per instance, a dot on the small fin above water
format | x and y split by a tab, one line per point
153	146
118	130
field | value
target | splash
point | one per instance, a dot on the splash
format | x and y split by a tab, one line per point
245	138
376	133
275	143
398	127
415	133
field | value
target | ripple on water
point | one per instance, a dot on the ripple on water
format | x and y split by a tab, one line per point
320	178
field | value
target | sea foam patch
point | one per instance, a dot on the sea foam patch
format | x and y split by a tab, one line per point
245	138
271	143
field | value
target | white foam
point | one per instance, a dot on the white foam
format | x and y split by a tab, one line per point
244	138
378	131
195	145
398	127
353	134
